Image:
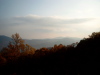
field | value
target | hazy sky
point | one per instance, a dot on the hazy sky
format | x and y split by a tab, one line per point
49	18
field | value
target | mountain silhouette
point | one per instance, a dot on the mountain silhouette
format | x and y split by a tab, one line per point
76	59
4	41
39	43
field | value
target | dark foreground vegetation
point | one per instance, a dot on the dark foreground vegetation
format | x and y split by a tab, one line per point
81	58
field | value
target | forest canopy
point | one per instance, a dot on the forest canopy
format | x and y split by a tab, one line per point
19	58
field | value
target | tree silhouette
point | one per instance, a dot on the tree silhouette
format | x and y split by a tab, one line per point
17	47
75	59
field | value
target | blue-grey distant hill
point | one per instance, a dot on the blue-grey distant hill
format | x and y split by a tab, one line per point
4	41
39	43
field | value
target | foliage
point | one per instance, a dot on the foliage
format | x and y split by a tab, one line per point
17	47
76	59
95	35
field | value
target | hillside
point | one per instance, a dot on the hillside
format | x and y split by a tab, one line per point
4	41
39	43
76	59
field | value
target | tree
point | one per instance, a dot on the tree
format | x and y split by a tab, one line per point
95	35
18	42
17	47
2	60
28	50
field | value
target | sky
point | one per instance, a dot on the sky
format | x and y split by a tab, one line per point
40	19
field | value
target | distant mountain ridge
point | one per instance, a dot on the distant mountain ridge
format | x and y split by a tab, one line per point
39	43
4	41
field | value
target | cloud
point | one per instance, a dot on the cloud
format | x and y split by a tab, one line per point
46	26
46	21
